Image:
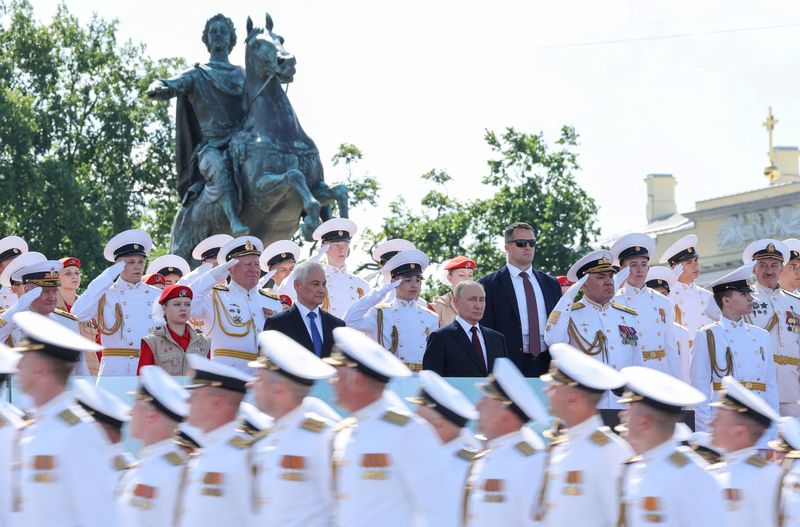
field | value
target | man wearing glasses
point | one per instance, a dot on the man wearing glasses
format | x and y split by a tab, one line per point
519	299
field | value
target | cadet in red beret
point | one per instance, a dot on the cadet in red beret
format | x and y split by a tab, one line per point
168	344
155	279
452	272
564	282
70	277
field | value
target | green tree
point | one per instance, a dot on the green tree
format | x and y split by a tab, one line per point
83	155
529	182
362	189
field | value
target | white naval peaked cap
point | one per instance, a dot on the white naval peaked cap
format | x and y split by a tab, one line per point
736	280
104	406
766	249
658	390
438	394
738	398
282	354
8	360
793	244
683	249
12	246
407	262
189	436
574	368
158	388
383	252
634	244
21	261
132	241
44	273
507	384
238	247
207	372
169	264
277	252
209	248
789	428
253	419
356	350
47	336
594	262
335	230
661	277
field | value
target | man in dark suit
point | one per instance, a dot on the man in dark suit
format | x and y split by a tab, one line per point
464	348
305	322
519	298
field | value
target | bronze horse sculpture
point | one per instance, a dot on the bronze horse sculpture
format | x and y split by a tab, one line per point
277	175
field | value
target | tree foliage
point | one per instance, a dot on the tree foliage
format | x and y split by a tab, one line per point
83	155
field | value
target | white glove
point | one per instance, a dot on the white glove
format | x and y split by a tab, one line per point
320	253
264	279
188	278
391	286
113	272
573	290
222	270
677	271
620	277
25	301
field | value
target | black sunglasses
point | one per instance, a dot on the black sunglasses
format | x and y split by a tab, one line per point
523	243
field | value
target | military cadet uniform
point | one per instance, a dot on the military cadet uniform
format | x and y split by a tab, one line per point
663	280
205	252
401	326
444	305
789	505
11	424
232	316
10	248
657	343
294	459
124	311
665	485
344	289
149	495
220	484
503	482
778	313
734	348
583	465
607	332
64	450
275	254
88	329
387	462
750	485
169	265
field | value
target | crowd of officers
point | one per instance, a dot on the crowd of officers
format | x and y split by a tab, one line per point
647	341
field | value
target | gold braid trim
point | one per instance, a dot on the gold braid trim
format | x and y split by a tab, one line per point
380	326
101	322
599	342
217	301
712	356
326	303
773	321
395	340
395	334
540	509
678	315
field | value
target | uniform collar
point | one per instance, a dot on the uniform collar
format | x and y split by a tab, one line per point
404	303
766	290
221	433
499	442
462	441
584	429
54	406
290	419
739	455
598	307
661	451
731	324
628	289
157	449
372	408
681	285
235	287
124	284
335	270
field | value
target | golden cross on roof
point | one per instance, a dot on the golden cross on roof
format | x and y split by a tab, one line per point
769	124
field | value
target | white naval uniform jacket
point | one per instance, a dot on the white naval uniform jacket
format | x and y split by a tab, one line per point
460	453
232	318
344	290
294	471
778	312
504	481
7	298
388	470
750	486
749	351
66	475
666	486
789	507
220	488
694	307
609	333
582	477
11	424
658	343
400	326
124	313
151	490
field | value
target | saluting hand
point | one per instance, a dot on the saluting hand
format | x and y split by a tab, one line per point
620	277
222	270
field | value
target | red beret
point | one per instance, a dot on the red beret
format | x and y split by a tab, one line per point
154	278
459	262
563	281
286	299
69	260
174	291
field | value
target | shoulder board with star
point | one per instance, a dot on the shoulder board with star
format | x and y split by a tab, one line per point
269	294
175	459
65	314
241	442
220	287
626	309
396	418
467	454
792	294
313	424
577	305
678	459
525	448
73	415
756	461
600	437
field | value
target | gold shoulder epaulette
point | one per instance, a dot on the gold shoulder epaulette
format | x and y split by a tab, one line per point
70	417
678	459
269	294
65	314
599	438
467	454
173	458
240	442
344	423
553	318
792	294
626	309
221	287
396	418
313	424
525	448
634	459
577	305
756	461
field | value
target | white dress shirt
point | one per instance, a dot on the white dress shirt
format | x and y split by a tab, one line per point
519	292
304	311
467	327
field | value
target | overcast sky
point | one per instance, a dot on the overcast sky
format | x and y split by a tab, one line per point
673	86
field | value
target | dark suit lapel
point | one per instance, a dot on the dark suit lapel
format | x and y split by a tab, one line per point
508	287
327	328
549	300
466	345
490	346
302	330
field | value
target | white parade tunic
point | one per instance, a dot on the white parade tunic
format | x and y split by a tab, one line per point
124	313
66	475
7	298
460	454
344	290
750	487
150	490
667	487
790	493
388	470
294	471
11	424
694	307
